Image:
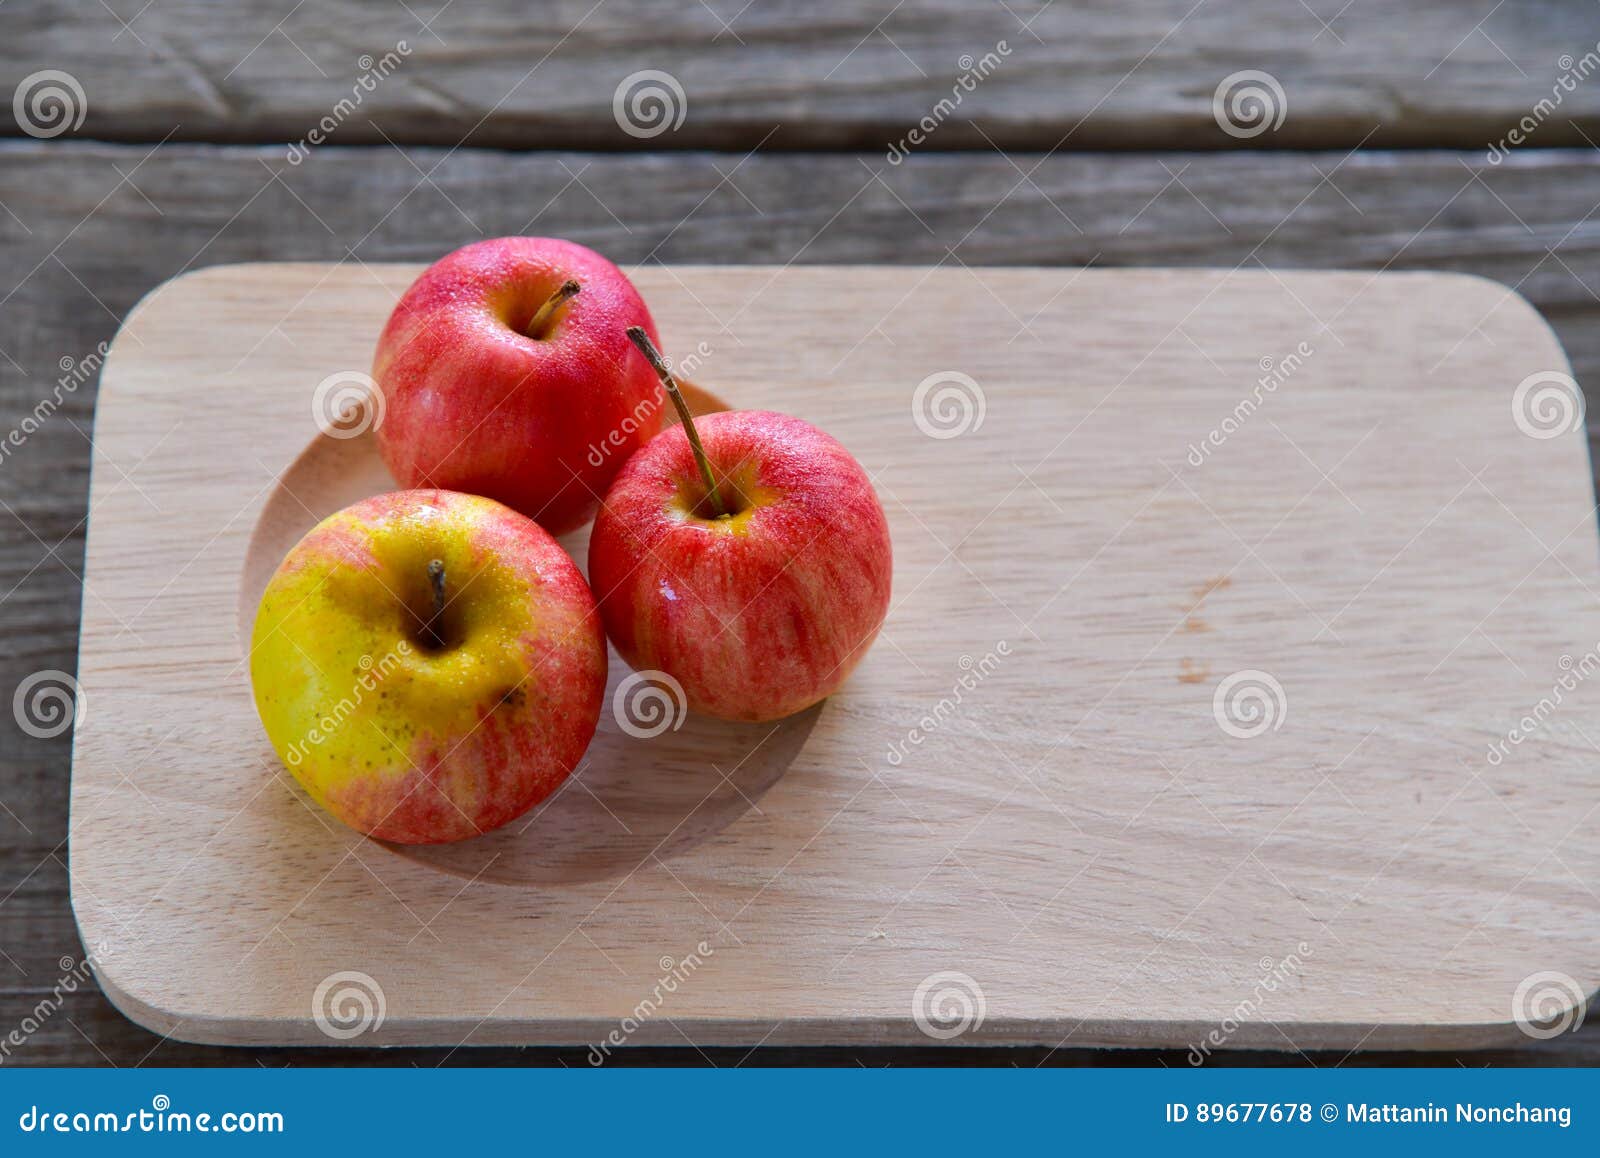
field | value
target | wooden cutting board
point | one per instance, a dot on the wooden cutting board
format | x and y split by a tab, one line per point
1214	593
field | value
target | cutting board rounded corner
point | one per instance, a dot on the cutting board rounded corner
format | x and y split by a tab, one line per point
1466	288
142	1010
178	284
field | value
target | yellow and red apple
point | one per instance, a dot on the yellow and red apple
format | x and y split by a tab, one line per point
428	664
756	575
504	364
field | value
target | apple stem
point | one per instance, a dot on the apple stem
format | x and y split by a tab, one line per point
436	580
652	355
547	312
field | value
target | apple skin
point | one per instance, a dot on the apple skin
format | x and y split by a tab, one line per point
404	741
766	611
471	403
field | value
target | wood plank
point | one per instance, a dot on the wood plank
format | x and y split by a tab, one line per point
1080	798
85	245
835	75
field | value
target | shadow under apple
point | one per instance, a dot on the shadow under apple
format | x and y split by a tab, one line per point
653	790
633	799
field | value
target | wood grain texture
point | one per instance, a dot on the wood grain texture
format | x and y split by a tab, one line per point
1092	837
834	75
85	246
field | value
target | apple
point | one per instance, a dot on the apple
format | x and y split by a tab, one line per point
429	665
745	555
503	365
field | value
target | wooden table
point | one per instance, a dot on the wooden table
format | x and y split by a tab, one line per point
1080	137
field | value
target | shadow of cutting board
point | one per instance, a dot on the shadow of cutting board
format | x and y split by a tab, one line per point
1224	603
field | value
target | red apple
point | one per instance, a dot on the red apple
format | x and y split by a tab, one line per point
501	379
765	608
429	665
